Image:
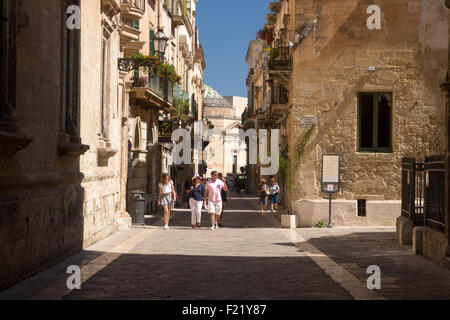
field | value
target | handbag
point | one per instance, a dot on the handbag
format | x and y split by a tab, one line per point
174	194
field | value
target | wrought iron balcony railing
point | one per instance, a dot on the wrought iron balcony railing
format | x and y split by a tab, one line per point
130	64
159	86
282	60
180	93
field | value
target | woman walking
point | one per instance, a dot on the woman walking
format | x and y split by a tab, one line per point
167	197
263	194
274	197
196	195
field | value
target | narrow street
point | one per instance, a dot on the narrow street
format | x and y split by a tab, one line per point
250	258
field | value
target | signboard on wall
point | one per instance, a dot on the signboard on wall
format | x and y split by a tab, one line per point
331	169
308	122
165	129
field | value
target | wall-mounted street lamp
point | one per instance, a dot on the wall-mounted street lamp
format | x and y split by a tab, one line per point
129	64
160	42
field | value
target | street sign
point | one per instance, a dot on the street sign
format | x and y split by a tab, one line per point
331	171
308	122
165	129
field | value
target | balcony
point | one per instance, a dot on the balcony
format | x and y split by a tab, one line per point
271	18
180	93
275	7
178	12
152	92
182	106
281	60
276	104
132	9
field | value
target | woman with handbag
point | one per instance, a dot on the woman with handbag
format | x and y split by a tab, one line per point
274	194
264	193
167	197
196	196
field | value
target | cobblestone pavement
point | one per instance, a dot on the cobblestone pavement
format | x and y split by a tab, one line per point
404	274
251	258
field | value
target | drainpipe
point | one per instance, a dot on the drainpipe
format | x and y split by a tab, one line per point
159	14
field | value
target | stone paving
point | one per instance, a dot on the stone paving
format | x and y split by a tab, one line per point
251	258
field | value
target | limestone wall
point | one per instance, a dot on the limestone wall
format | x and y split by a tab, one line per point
53	205
410	57
102	182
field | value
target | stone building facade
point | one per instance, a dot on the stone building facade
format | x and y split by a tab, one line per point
370	95
226	153
63	133
153	99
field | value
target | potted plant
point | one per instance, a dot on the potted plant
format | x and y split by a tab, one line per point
274	53
262	34
155	66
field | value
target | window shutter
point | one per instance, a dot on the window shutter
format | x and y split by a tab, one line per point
152	42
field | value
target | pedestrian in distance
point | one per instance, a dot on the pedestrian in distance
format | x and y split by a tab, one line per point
167	197
225	198
264	193
213	196
274	197
196	196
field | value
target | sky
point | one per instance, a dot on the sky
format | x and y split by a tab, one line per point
225	30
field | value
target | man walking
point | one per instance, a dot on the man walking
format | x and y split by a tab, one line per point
213	195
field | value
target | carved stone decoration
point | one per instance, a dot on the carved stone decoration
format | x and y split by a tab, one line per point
105	152
71	145
11	143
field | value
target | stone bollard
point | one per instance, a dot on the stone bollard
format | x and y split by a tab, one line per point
417	238
289	221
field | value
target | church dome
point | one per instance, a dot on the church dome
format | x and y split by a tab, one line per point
210	93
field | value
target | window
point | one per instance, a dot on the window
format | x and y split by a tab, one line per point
8	30
375	122
138	135
71	74
362	208
152	42
105	96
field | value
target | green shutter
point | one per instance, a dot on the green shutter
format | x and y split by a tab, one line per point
136	24
152	42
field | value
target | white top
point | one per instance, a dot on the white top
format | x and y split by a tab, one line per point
166	188
273	189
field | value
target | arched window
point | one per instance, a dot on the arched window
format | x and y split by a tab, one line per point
138	134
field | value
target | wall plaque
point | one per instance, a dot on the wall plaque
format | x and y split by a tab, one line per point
308	122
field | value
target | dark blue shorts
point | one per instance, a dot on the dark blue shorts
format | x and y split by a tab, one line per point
274	198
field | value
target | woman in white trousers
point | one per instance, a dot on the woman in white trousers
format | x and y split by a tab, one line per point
196	197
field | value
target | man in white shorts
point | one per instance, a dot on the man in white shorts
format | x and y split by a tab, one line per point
213	195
